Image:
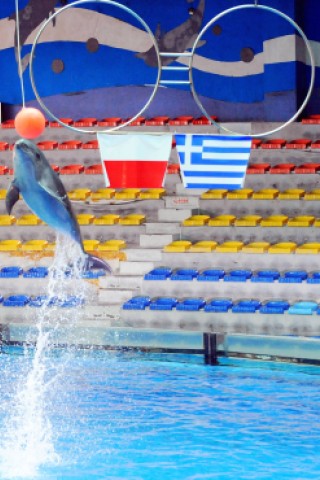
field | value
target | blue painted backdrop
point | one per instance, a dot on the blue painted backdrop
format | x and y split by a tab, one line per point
116	78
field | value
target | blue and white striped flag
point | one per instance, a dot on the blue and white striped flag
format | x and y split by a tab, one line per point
213	161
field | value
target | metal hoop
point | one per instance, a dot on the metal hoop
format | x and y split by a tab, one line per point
56	14
312	63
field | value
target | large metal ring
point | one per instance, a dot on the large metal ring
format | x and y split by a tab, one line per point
312	63
56	14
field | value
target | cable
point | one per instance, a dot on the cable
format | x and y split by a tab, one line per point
19	53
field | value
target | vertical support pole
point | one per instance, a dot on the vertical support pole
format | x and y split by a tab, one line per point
210	348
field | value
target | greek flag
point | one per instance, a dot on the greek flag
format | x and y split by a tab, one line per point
213	161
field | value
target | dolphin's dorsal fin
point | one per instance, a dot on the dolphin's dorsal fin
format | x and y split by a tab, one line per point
12	197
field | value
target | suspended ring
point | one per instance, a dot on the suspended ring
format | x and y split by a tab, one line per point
307	44
36	40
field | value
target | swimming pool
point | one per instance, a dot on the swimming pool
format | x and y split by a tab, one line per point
138	416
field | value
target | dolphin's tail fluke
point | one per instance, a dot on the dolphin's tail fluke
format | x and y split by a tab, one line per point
92	262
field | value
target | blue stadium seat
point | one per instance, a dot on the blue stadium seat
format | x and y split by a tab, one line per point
191	304
10	272
184	274
163	303
71	301
246	306
218	305
137	303
210	275
90	274
314	277
238	276
265	276
293	276
38	301
16	301
303	308
36	272
160	273
274	306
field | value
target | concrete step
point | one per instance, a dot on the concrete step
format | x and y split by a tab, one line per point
132	282
157	241
135	268
181	202
234	290
166	228
143	254
114	296
175	215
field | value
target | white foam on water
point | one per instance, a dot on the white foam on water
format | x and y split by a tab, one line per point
29	438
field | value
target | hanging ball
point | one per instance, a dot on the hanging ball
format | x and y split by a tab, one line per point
30	122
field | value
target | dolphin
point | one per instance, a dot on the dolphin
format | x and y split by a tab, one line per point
178	39
44	193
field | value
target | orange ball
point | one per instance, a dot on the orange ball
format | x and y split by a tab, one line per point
30	122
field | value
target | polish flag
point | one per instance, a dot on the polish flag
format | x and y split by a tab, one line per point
134	160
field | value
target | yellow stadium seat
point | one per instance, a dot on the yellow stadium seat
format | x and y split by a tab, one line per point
203	246
10	245
214	194
240	194
50	246
291	194
85	218
3	194
127	194
313	195
103	194
301	221
79	194
178	246
112	245
274	221
196	221
90	245
132	219
110	219
266	194
283	247
152	193
34	245
256	247
29	220
308	248
221	221
248	221
7	220
230	246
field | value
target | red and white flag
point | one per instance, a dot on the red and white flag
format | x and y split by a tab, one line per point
134	160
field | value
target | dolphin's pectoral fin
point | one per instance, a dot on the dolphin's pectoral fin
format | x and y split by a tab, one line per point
12	197
92	262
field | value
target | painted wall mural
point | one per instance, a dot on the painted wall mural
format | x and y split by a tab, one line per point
97	60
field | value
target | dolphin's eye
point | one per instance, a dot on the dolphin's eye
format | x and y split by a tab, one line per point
38	156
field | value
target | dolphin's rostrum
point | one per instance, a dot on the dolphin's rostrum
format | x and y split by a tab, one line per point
44	193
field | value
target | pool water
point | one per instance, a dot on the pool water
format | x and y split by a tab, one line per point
169	417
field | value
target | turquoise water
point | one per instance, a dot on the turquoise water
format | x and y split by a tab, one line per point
168	417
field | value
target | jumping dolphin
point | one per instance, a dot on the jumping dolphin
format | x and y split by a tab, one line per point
30	17
178	39
44	193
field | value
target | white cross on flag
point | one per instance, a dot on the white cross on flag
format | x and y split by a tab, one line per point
213	161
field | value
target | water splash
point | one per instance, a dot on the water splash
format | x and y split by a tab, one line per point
29	438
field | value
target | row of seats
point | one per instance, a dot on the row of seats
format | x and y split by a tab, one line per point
78	168
42	272
82	218
40	301
37	245
262	194
236	275
283	168
83	194
227	220
115	121
278	143
235	246
220	305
